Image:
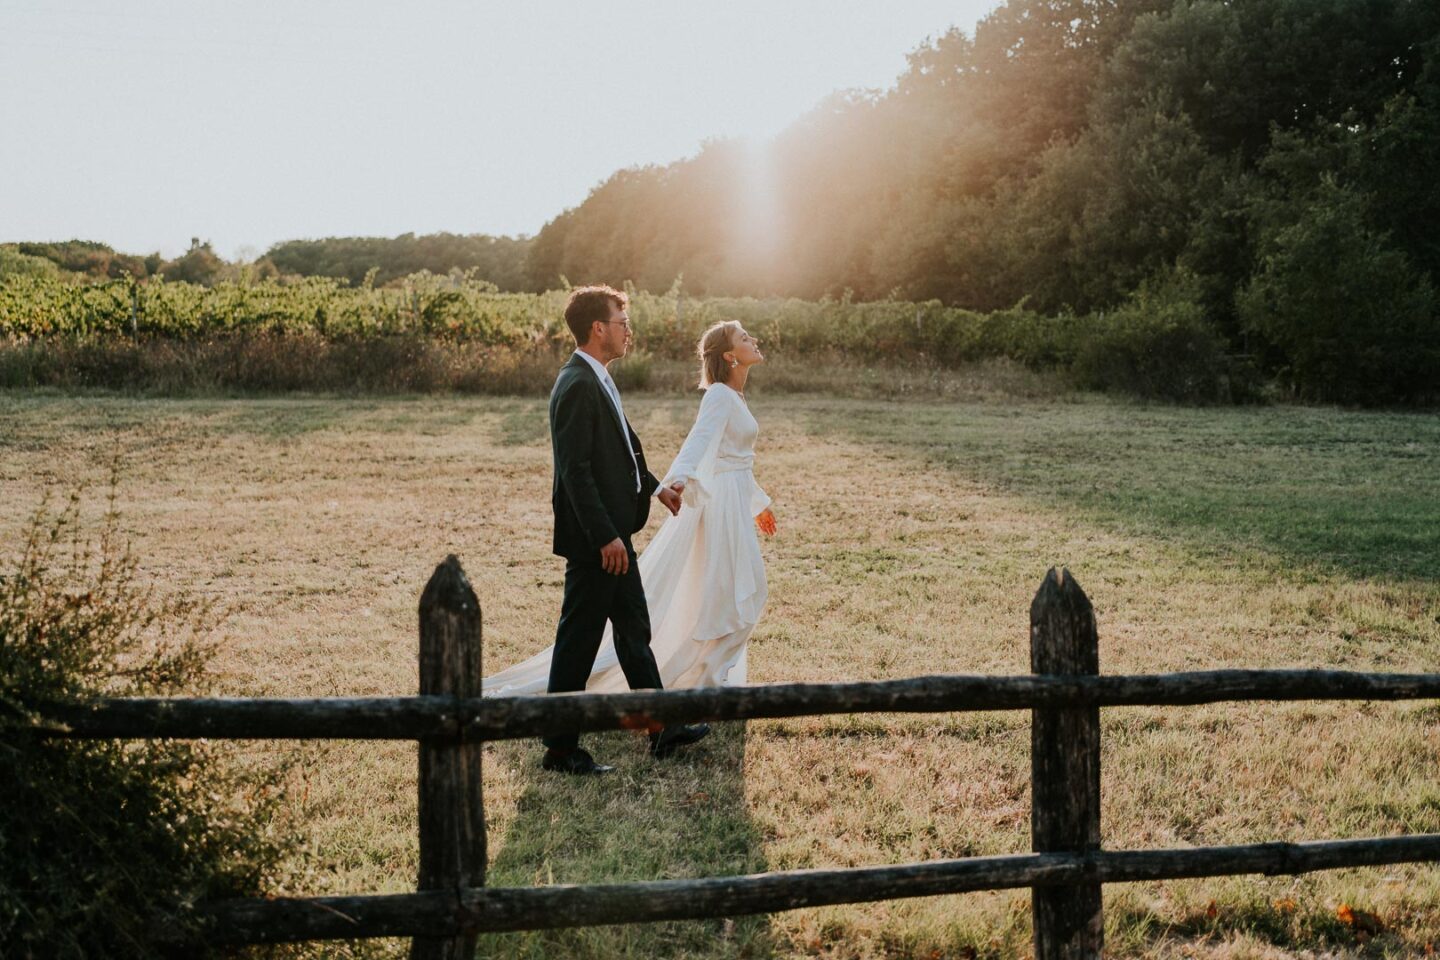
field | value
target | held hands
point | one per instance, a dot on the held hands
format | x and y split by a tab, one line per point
670	497
614	558
765	522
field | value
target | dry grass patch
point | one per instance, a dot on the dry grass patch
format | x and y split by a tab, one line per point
318	520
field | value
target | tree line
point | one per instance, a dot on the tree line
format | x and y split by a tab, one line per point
377	261
1253	183
1266	172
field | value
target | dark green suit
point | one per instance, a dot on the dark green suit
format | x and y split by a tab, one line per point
595	502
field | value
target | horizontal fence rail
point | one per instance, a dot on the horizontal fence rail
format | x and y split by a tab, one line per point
508	718
500	909
450	721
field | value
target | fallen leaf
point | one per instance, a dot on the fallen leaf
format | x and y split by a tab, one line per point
1363	921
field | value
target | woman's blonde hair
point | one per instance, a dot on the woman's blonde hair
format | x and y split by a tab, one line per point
713	344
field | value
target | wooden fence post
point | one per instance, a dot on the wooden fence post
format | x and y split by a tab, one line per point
452	816
1065	770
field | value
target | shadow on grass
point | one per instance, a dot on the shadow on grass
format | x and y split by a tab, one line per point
1280	924
1304	490
684	817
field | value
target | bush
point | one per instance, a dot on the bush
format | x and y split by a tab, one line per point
634	370
458	334
13	263
106	844
1356	322
1039	342
1159	346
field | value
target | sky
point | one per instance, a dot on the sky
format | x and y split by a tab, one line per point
147	123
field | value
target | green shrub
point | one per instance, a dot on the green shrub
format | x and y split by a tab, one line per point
1354	319
633	372
105	845
1159	346
1038	341
430	333
13	263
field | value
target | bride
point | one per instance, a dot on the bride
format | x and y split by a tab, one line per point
703	573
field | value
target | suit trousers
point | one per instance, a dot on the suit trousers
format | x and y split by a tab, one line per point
593	597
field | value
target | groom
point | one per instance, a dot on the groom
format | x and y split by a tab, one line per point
601	496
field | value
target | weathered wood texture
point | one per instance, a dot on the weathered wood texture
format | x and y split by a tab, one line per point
506	718
335	718
452	812
1065	771
451	720
500	909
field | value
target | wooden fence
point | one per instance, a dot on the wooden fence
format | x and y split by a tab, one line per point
451	721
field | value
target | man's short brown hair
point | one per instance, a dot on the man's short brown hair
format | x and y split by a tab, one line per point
588	304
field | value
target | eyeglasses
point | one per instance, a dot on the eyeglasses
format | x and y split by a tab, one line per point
624	323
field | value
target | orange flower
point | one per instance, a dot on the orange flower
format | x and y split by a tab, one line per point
765	520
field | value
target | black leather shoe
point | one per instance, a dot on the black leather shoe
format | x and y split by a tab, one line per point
577	761
670	739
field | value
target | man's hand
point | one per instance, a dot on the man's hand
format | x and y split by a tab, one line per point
670	498
765	520
614	558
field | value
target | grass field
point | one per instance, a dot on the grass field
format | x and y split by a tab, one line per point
912	537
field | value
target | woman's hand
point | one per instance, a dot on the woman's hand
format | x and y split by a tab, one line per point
765	522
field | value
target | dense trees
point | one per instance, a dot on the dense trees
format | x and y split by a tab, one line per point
200	264
1283	155
497	260
1261	176
87	258
500	260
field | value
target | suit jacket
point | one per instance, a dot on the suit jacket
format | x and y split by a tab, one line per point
593	496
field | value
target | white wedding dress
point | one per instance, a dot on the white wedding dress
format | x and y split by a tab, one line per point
703	574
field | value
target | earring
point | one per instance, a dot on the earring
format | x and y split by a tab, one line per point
734	363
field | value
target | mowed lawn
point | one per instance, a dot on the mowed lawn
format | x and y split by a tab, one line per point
912	538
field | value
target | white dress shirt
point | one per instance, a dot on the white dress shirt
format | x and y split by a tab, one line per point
614	393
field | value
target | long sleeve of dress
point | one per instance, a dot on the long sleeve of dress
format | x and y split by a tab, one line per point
700	446
759	499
